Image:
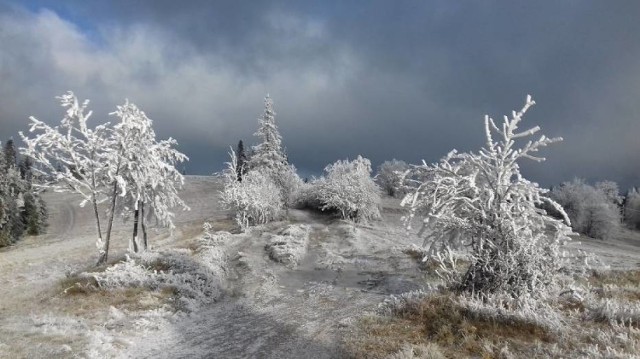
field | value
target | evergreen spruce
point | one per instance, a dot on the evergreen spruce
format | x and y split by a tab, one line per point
10	155
241	157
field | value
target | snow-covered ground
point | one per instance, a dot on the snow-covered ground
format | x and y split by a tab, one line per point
296	299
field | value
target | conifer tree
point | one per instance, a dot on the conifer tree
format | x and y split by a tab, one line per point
268	154
10	156
269	158
241	158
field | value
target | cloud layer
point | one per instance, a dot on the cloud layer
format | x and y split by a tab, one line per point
409	80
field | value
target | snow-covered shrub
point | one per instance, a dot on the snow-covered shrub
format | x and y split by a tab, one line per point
482	202
391	175
255	200
592	211
198	280
632	209
288	246
348	190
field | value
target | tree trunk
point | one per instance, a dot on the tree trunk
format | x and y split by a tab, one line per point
114	195
96	213
136	216
144	227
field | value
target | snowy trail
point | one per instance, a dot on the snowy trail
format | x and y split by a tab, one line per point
279	312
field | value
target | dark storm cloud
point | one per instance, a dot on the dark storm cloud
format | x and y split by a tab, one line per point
409	80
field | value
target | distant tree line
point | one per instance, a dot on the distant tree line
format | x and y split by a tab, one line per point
22	209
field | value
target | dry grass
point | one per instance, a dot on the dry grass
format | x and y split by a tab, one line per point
589	330
617	277
438	319
80	294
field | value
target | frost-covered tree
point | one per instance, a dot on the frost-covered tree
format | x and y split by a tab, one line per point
72	154
391	175
347	189
12	190
269	158
255	200
632	209
611	191
592	211
480	201
107	162
268	153
145	171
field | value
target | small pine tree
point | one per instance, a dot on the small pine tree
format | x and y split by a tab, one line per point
268	154
241	160
10	155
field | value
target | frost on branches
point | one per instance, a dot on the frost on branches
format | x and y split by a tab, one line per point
593	211
72	154
255	200
146	170
390	176
349	190
482	202
107	162
269	158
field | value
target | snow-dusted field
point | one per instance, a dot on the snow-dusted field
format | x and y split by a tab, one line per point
288	289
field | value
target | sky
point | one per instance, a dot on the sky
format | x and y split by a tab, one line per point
409	80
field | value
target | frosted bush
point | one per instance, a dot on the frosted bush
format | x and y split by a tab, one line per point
255	200
197	280
391	175
592	211
348	190
482	202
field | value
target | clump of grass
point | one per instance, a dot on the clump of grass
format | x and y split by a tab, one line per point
439	319
616	277
78	285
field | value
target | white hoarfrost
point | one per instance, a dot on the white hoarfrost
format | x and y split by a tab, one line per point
268	156
289	245
198	278
347	189
593	211
107	162
390	176
255	200
146	169
72	155
481	201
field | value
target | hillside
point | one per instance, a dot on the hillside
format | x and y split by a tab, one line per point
289	289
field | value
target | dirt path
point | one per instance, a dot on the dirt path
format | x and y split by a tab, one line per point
277	312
